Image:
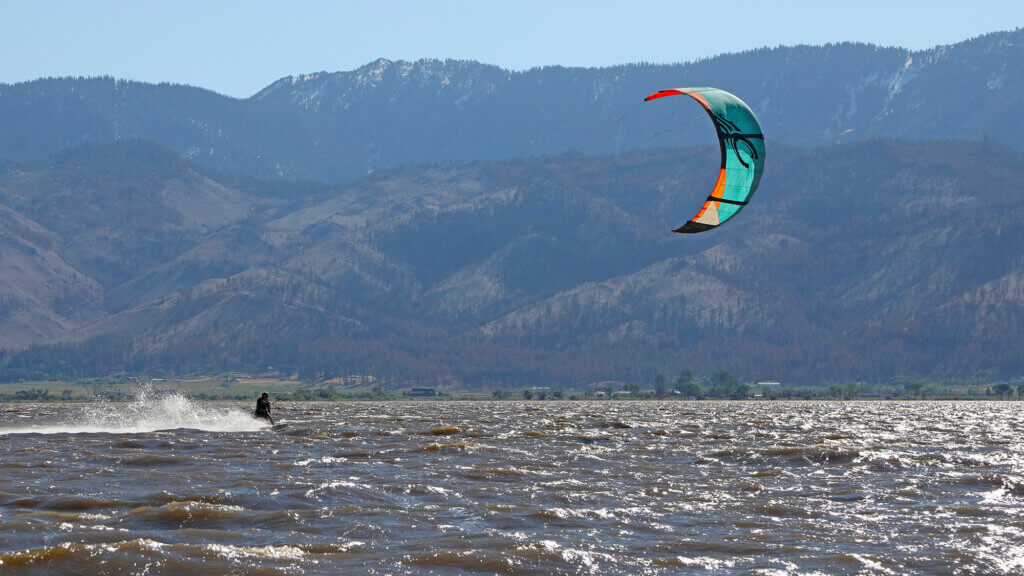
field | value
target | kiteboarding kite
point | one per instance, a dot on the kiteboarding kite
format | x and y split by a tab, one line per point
742	146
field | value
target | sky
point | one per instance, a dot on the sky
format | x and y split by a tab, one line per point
238	47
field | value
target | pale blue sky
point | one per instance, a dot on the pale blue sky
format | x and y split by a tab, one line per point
238	47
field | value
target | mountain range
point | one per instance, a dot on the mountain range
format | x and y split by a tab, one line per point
341	126
451	221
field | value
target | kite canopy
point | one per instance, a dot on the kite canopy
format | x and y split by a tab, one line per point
742	145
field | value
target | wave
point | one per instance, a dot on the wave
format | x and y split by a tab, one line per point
124	556
147	412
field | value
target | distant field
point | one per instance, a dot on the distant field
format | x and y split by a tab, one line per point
291	389
212	387
189	386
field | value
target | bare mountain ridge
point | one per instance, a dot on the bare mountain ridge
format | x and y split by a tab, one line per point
341	126
861	260
41	296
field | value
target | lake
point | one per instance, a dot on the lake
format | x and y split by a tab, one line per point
166	485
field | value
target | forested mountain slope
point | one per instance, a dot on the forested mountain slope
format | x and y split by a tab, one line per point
861	260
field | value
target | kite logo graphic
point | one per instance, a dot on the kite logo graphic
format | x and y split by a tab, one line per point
730	131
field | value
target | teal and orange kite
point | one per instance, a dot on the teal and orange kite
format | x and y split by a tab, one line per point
742	145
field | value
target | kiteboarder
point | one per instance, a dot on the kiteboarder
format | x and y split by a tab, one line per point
263	408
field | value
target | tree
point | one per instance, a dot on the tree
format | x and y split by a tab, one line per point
899	381
851	391
726	385
559	393
691	388
741	391
835	391
500	394
685	377
912	388
1020	390
660	385
1002	389
527	394
687	386
633	388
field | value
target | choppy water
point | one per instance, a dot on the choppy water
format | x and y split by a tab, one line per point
165	486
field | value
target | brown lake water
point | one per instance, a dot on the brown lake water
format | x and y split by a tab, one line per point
170	486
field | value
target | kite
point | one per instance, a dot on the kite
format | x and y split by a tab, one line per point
742	144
